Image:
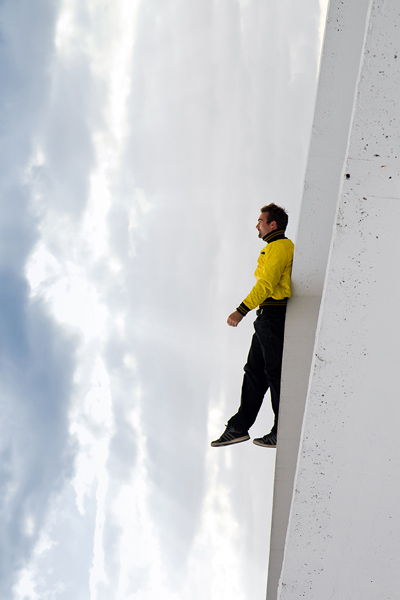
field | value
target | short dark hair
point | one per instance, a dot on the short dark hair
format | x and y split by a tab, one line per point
276	213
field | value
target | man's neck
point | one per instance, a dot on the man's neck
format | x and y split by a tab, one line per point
277	234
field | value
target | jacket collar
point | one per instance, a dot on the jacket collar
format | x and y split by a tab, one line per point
278	234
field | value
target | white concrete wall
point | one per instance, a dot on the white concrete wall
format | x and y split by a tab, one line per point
342	539
342	51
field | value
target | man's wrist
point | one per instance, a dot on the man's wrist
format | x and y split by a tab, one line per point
242	309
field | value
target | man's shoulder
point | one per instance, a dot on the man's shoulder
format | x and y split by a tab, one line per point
288	242
281	243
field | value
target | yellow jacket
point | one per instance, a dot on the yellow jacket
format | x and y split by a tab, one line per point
274	267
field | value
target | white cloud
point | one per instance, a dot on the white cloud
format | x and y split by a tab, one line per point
156	131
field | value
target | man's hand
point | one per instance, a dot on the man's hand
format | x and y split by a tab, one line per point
234	319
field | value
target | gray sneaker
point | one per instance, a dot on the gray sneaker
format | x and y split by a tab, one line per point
230	436
268	441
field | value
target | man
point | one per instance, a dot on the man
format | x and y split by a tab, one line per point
270	293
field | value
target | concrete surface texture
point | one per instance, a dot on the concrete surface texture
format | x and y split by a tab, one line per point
335	519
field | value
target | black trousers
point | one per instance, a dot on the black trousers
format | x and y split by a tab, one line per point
263	368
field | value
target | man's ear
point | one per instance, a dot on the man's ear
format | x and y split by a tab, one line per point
274	225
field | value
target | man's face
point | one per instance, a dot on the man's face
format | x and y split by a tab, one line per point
263	227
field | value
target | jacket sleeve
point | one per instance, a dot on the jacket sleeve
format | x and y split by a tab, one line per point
275	263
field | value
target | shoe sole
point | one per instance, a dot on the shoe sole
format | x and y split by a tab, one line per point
257	443
230	442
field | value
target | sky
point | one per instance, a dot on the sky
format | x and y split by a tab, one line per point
139	140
